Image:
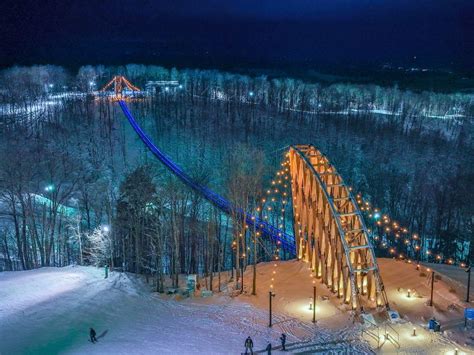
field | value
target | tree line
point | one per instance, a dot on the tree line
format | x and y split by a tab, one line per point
75	186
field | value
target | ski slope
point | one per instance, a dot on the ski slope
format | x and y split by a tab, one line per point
50	310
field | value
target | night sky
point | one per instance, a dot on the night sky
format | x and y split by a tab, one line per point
240	33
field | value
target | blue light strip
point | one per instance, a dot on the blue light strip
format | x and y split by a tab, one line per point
287	241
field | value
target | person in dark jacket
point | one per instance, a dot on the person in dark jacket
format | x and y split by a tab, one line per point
249	345
269	349
92	334
283	342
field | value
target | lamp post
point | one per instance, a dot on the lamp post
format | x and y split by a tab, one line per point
242	274
314	303
468	270
254	279
234	253
270	296
432	287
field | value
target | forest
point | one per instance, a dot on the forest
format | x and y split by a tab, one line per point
77	186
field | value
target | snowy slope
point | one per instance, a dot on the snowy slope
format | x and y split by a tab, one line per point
49	311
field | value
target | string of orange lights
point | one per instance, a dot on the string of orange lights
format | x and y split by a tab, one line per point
273	208
392	228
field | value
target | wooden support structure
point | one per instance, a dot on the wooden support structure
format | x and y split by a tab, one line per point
330	232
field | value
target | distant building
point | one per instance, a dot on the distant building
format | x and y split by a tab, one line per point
162	85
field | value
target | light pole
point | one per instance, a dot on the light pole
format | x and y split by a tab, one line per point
254	280
270	296
468	270
314	303
432	287
234	255
242	273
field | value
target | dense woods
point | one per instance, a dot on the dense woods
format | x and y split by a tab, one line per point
76	186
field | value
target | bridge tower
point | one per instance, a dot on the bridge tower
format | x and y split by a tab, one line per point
330	232
119	83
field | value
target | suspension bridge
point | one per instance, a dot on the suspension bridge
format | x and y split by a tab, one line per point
328	227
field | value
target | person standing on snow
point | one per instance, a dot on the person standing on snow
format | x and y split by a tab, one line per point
269	349
283	342
249	345
92	334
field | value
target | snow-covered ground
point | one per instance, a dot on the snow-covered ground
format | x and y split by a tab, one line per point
293	289
31	111
50	310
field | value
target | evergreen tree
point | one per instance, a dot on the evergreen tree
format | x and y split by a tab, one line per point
137	207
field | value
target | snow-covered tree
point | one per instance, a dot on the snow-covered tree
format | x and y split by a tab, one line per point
99	247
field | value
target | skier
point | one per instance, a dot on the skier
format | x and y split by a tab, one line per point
269	349
283	342
249	345
106	271
92	334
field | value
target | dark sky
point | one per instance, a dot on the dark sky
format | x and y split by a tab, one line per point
247	33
